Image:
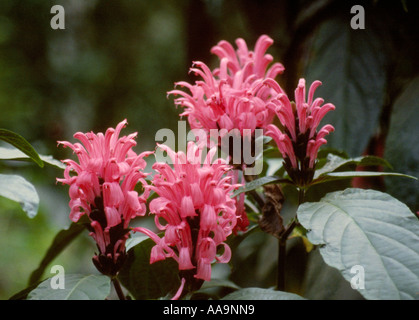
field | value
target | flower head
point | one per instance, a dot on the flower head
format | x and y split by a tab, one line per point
234	95
102	187
195	211
299	140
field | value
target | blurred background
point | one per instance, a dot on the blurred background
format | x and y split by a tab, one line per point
117	59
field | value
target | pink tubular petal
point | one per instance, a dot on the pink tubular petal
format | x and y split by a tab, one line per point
115	134
112	194
75	214
187	208
226	256
321	112
196	194
274	70
99	236
180	290
157	254
203	270
148	233
325	131
313	148
313	88
300	93
185	259
133	201
113	217
289	150
208	217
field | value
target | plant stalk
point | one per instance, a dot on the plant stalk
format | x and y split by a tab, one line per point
118	289
282	246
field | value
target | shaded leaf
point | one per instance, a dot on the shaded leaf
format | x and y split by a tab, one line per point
274	164
15	154
145	280
261	294
252	185
20	143
355	84
402	147
215	283
234	241
323	282
77	287
18	189
331	176
133	241
23	294
370	229
334	162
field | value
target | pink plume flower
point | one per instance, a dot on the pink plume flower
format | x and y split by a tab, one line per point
299	140
102	186
195	211
234	95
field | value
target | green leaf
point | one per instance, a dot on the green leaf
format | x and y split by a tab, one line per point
261	294
76	287
274	165
23	294
323	282
133	241
356	84
234	240
252	185
402	147
331	176
370	229
148	281
18	189
20	143
15	154
60	242
334	162
215	283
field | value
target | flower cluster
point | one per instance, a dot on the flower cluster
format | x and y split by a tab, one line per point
195	211
299	140
102	187
234	95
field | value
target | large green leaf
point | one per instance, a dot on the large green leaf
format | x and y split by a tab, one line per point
18	189
261	294
145	280
20	143
76	287
370	229
322	282
351	66
402	147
